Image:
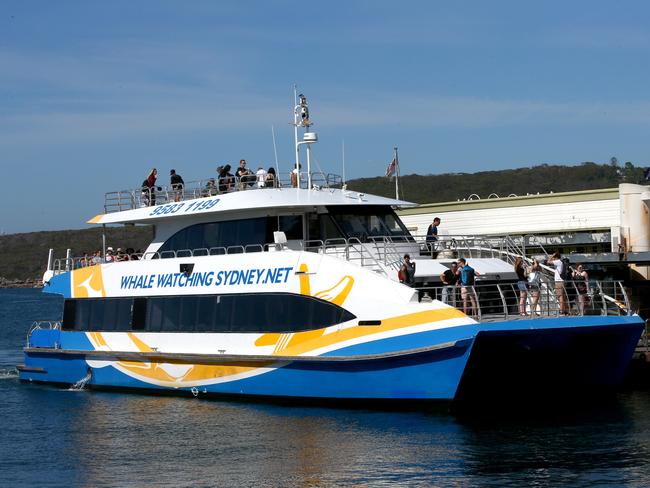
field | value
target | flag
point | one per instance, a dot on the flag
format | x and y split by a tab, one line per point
646	174
390	171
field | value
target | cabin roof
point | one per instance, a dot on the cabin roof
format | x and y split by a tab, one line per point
245	201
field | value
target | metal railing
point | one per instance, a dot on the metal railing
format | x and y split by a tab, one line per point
453	246
42	325
381	255
501	301
118	201
352	250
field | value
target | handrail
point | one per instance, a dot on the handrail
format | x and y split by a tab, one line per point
500	301
42	325
117	201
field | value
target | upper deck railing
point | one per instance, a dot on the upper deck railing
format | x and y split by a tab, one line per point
118	201
379	253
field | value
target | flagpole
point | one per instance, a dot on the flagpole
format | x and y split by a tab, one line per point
396	174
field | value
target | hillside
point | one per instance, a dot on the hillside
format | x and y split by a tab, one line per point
543	179
24	256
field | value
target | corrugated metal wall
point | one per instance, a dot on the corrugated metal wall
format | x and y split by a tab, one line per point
531	219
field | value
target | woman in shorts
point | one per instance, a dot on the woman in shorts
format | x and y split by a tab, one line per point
522	285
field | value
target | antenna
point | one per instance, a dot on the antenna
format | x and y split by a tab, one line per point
275	151
343	155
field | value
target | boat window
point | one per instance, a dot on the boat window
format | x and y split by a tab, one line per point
93	314
291	225
366	222
259	313
322	227
236	234
208	235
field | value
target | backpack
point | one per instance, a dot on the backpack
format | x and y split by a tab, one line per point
566	272
469	276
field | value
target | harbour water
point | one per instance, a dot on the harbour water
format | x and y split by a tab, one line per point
76	437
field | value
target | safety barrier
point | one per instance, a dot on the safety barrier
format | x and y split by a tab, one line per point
118	201
501	301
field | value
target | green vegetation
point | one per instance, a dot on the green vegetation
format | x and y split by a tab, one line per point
543	179
24	256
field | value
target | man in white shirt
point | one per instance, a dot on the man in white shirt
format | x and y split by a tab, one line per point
560	291
261	177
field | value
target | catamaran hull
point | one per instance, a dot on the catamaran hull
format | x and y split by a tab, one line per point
432	376
421	373
547	360
542	357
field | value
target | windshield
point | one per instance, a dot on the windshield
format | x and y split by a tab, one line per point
369	223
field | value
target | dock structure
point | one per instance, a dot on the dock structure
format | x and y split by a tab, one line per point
609	227
608	230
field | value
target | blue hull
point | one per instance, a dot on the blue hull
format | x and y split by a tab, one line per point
487	361
547	360
429	375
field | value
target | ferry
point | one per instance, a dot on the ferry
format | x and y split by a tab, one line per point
260	288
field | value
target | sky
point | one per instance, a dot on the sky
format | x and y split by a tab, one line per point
93	94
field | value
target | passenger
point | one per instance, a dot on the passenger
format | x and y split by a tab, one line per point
177	185
407	272
534	283
149	188
210	188
581	279
226	179
560	290
432	237
245	177
522	284
261	177
97	258
271	178
120	256
449	280
467	278
295	177
109	255
85	261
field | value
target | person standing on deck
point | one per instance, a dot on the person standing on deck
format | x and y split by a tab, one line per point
177	185
432	237
560	290
407	272
149	187
449	280
467	278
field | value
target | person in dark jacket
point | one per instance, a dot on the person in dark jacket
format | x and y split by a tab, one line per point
226	179
177	184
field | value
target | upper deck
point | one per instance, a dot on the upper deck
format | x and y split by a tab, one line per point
198	197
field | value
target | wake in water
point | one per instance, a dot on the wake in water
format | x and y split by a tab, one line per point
81	384
8	374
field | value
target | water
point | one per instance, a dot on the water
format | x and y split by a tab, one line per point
56	437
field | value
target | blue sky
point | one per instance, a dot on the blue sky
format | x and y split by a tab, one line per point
94	94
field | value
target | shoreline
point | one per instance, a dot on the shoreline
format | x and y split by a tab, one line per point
29	283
